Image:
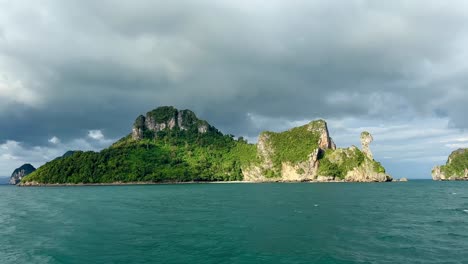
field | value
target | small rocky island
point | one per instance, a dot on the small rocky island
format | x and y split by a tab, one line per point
20	173
456	168
171	145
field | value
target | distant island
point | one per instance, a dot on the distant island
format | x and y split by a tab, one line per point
21	172
456	168
169	145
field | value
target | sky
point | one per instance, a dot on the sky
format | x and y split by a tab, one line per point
75	74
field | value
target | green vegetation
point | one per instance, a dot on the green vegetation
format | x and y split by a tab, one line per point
25	168
139	122
365	133
338	162
457	165
189	119
270	174
328	168
378	167
294	145
175	156
186	151
162	114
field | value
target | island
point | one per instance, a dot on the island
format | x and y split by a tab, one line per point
168	145
21	172
455	169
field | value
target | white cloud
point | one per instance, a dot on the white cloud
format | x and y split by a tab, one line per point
457	145
13	154
96	134
54	140
15	91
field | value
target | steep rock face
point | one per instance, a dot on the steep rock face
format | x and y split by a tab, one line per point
352	165
366	139
325	141
20	173
138	127
167	117
291	155
308	153
456	167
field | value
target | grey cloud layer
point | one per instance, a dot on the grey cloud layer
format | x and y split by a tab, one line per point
71	66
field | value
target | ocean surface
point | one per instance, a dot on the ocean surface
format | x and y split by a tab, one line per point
412	222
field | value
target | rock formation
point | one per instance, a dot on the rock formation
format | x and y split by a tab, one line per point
321	160
367	172
270	147
167	117
366	139
20	173
456	167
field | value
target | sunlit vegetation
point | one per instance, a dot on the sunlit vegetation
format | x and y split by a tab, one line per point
457	165
173	156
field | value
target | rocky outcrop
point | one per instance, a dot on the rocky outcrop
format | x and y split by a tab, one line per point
366	172
366	139
20	173
269	148
352	165
324	162
138	127
167	117
325	141
455	169
437	174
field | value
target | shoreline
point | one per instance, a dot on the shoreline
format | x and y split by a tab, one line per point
35	184
120	183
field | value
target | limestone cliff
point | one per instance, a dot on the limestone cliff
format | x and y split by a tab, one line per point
291	155
366	139
456	167
20	173
308	153
166	117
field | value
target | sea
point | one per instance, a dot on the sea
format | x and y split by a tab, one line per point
419	221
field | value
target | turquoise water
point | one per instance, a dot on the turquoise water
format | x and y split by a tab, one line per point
413	222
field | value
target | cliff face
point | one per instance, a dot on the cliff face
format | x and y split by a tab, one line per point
308	153
366	139
20	173
166	117
456	167
291	155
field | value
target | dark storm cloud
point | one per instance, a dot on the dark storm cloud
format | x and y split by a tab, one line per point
72	66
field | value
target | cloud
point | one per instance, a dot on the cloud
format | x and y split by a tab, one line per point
13	154
95	134
16	92
104	62
54	140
